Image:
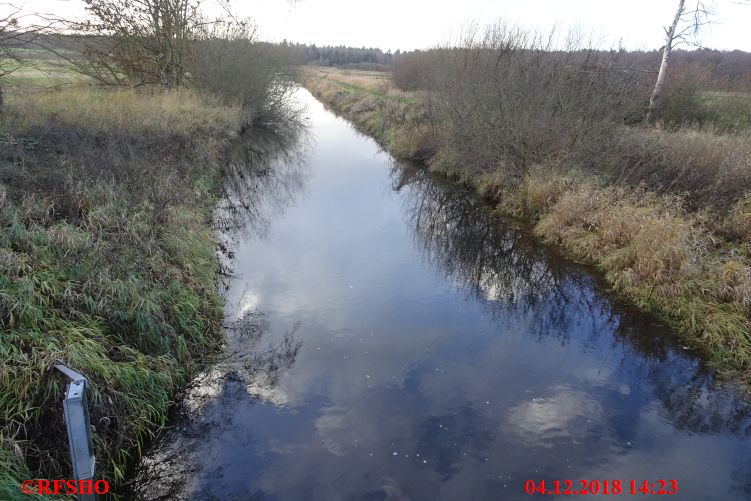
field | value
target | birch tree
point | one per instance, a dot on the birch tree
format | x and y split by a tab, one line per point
684	28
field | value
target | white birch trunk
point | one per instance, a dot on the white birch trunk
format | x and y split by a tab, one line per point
669	39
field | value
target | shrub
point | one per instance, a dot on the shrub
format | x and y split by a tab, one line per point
412	70
713	170
228	62
508	100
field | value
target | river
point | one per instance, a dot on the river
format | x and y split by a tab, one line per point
389	337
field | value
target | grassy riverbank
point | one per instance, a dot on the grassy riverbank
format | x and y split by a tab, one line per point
665	215
107	263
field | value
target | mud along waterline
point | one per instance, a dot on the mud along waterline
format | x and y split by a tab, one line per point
389	338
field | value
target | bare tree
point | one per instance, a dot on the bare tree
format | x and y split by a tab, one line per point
684	29
135	42
228	61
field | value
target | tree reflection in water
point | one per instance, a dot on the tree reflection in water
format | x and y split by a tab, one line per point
264	173
503	267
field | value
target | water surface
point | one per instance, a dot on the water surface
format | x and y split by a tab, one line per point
389	338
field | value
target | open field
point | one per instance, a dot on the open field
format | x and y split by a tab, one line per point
683	252
728	110
378	84
42	70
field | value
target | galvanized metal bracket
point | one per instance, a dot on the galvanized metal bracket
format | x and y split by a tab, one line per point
76	410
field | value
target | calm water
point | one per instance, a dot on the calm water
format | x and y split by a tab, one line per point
389	338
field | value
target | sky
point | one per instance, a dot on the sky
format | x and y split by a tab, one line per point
413	24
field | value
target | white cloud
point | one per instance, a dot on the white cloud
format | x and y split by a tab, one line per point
566	415
409	24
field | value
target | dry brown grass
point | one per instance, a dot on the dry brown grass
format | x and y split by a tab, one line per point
661	257
534	195
178	111
372	80
738	223
637	233
377	82
711	169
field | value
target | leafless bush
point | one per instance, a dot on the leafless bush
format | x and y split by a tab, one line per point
9	57
228	61
134	42
412	70
511	99
13	36
174	43
713	169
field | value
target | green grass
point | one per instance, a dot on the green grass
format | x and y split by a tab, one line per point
728	111
107	263
42	70
723	112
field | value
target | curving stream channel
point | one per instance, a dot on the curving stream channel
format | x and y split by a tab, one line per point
388	337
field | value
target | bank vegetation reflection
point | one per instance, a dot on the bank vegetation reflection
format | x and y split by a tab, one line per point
503	267
265	171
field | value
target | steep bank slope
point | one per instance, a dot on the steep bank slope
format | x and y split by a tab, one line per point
107	264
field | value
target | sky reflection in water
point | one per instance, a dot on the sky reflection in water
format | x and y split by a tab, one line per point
389	339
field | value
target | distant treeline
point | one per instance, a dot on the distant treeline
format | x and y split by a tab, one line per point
354	57
713	69
710	69
707	69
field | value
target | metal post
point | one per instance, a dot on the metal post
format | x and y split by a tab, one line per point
79	429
